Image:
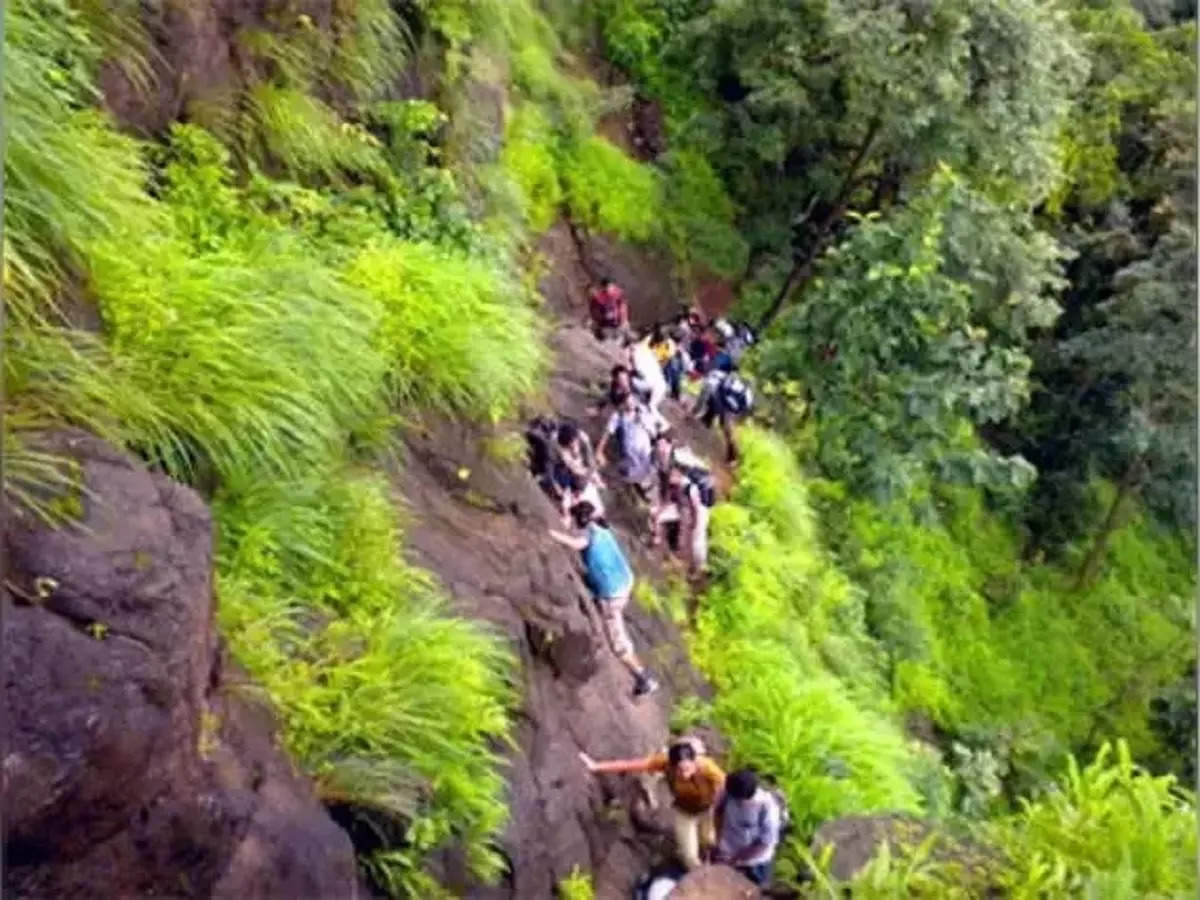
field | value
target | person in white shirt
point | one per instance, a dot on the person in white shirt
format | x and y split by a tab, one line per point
633	427
748	825
643	361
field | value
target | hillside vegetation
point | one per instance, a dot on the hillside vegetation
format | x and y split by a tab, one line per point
955	576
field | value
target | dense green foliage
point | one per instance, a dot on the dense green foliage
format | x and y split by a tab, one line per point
963	555
259	346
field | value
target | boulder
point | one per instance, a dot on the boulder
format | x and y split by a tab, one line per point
129	763
714	883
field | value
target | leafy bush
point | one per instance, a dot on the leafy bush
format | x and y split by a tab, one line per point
391	704
576	886
529	159
1109	829
607	190
700	216
781	637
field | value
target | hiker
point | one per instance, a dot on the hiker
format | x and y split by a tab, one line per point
632	427
542	456
622	380
647	372
576	454
741	340
609	310
580	489
749	821
696	783
610	580
686	494
724	397
670	360
683	510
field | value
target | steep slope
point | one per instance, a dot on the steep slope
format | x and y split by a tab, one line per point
485	536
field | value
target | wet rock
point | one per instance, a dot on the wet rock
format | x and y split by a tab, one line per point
129	763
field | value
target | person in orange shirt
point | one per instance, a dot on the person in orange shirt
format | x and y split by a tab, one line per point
697	785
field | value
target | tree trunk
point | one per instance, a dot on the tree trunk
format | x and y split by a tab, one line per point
1130	483
803	266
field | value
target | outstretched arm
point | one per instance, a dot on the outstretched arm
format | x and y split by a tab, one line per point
575	542
616	766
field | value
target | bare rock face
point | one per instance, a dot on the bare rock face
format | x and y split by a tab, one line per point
714	883
129	764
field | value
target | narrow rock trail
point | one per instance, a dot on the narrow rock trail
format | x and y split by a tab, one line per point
484	535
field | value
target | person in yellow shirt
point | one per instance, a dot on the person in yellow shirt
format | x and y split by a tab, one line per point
697	785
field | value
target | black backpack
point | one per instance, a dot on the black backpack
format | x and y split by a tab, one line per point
540	435
703	480
736	395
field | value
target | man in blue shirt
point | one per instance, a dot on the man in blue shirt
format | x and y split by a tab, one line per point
748	825
610	578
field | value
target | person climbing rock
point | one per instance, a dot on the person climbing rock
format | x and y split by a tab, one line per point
622	380
749	820
609	310
633	428
575	452
610	579
696	783
645	366
682	510
580	489
724	397
670	360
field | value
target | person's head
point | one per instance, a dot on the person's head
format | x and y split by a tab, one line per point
682	758
626	402
568	434
741	784
663	445
607	284
620	376
656	334
582	514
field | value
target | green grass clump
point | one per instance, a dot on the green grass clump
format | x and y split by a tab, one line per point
1010	656
608	191
576	886
390	703
1109	829
529	160
460	333
700	216
781	637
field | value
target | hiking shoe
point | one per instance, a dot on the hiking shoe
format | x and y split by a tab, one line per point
644	684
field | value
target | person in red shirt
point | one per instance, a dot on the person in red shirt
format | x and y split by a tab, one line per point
609	310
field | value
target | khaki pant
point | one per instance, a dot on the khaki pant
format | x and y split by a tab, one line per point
612	613
692	832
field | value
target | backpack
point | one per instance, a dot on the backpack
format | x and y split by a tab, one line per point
540	435
736	395
703	480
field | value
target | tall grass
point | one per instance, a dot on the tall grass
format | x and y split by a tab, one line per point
459	334
390	703
782	637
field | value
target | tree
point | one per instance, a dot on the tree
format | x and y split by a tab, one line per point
1143	340
910	339
839	107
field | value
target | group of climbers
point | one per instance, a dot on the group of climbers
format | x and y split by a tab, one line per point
732	820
